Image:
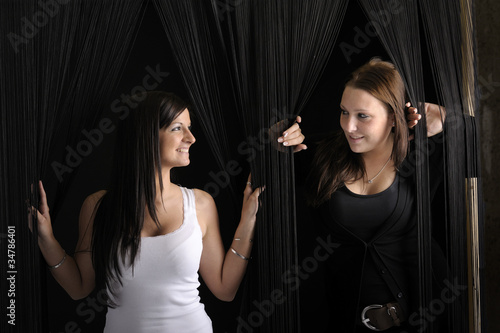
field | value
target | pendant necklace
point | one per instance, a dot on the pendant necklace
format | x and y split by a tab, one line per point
371	180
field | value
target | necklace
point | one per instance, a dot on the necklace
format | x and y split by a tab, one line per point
371	180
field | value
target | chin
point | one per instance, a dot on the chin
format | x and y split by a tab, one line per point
355	149
177	164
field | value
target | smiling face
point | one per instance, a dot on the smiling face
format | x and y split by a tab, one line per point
366	122
175	140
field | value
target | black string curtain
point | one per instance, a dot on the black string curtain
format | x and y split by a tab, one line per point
454	67
59	61
274	53
203	68
59	69
277	51
446	54
267	43
448	28
400	35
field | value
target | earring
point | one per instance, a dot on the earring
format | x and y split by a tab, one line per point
393	124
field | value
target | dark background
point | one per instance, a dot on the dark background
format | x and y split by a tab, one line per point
152	49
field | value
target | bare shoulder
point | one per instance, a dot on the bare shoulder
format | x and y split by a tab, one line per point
96	196
89	208
203	200
206	211
86	222
92	201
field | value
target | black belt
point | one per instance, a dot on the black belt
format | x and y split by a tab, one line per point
381	317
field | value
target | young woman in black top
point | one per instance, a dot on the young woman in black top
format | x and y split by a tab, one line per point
364	200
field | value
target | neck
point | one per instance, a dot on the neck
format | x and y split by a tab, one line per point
377	162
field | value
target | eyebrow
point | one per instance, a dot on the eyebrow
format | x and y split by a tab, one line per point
180	123
361	110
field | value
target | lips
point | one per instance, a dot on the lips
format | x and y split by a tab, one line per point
355	138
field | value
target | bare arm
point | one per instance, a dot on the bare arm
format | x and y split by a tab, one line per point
75	274
435	115
223	271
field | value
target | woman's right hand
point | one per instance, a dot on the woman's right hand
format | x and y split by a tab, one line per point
43	217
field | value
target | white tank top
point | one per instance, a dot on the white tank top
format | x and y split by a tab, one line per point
160	293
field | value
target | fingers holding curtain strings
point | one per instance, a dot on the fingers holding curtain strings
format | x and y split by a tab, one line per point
44	223
251	198
435	116
293	136
412	115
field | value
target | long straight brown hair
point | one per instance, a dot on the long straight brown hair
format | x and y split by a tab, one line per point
334	162
137	164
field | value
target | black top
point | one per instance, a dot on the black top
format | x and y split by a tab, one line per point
374	248
375	211
375	271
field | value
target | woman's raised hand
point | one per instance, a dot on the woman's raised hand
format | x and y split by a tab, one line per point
250	201
43	216
293	137
435	116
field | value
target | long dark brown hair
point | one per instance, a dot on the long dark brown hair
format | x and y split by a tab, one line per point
334	162
137	164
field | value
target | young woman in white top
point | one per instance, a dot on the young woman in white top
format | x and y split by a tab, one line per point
145	239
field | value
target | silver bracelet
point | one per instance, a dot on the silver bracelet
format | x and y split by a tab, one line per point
238	239
60	262
239	255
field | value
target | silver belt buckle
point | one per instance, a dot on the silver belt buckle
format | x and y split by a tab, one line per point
366	321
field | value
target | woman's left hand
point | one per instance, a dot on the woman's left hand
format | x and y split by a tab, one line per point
250	201
293	136
434	114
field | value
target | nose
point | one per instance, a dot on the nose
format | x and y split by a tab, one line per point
189	137
350	124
